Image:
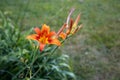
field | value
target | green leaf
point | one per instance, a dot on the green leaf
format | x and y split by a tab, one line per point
55	68
70	74
65	65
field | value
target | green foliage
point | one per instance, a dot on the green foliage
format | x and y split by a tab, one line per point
20	59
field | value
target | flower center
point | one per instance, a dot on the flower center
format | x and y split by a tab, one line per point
43	40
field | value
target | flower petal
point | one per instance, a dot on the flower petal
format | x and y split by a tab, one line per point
45	30
41	47
32	37
54	41
51	34
37	30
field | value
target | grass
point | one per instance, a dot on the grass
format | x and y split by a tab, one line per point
95	50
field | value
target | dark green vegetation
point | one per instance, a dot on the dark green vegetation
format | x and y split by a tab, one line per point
95	50
20	59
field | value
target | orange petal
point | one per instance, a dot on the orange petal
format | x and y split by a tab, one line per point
37	30
62	35
45	29
51	34
41	47
32	37
55	41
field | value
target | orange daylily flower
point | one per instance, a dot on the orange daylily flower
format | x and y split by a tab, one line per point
44	36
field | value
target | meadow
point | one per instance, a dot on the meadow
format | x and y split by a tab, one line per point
95	50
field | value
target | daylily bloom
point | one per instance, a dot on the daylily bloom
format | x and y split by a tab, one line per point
44	36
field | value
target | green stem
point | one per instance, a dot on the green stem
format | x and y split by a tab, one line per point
35	73
30	73
18	73
32	60
58	46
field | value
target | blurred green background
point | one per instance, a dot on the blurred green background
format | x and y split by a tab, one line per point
95	50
